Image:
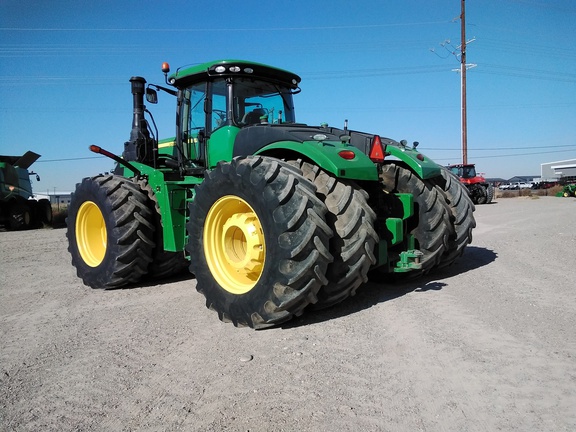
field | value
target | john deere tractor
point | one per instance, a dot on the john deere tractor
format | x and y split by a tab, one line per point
568	190
271	216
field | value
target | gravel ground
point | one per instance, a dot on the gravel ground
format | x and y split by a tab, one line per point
488	344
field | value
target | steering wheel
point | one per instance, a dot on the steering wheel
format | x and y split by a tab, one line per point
220	113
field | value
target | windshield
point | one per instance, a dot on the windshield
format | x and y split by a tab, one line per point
468	171
261	102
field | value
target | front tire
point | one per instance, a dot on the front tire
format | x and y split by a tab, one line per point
489	194
110	231
44	211
20	216
258	241
478	194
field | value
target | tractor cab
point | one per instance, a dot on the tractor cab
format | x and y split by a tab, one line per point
464	171
467	173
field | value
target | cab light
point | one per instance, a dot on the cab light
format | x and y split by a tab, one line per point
234	69
220	69
420	157
377	150
347	154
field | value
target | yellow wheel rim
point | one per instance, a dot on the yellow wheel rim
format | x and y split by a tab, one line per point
234	244
91	234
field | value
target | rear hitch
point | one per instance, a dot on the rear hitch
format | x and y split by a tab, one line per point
409	260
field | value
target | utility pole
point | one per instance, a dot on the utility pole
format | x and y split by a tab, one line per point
463	81
460	54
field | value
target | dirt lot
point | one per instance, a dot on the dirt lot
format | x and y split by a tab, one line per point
487	345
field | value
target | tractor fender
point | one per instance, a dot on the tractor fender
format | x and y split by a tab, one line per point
325	154
316	145
422	165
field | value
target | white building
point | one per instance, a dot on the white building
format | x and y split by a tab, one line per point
56	198
554	171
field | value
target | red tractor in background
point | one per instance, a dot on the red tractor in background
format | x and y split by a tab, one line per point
481	192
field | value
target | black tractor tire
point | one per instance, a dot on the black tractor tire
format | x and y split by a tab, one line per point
431	223
110	231
477	193
44	211
489	194
462	209
164	263
354	240
20	216
258	241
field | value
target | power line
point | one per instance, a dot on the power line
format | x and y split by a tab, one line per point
508	155
204	30
70	159
545	5
510	148
373	72
523	48
527	73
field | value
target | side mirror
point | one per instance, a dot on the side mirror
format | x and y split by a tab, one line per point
151	96
32	173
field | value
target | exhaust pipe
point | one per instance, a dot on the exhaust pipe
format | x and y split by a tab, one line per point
140	146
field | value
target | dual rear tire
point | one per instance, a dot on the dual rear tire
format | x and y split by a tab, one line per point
462	214
354	241
431	223
443	214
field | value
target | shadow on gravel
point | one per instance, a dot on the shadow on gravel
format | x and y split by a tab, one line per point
379	291
147	282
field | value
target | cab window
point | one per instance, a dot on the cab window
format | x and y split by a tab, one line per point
261	102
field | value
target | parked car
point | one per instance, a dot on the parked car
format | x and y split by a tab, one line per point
515	186
544	185
520	185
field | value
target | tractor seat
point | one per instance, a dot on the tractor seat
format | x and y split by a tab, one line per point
253	117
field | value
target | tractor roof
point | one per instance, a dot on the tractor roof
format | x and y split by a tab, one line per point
23	161
186	76
461	165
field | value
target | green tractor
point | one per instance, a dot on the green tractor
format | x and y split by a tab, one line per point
18	208
270	215
569	190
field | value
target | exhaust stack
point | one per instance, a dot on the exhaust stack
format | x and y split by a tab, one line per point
140	147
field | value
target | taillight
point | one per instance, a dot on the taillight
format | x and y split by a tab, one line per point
377	150
347	154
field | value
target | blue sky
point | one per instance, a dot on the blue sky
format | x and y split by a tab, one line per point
65	66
